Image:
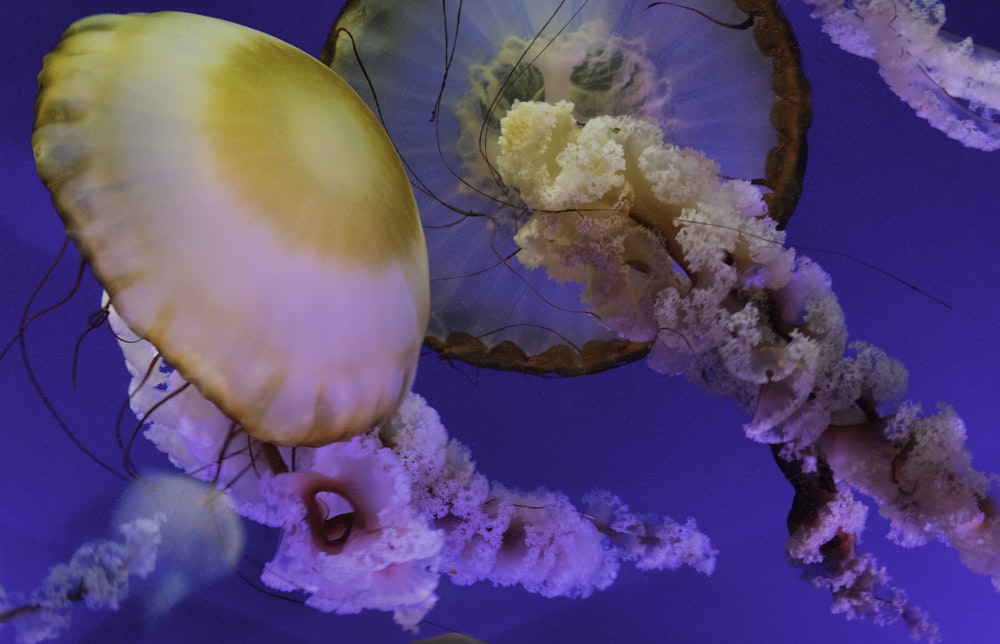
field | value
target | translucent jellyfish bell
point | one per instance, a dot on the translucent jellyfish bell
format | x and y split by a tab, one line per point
721	76
245	212
202	538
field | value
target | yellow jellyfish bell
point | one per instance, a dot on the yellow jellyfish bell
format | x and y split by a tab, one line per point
245	212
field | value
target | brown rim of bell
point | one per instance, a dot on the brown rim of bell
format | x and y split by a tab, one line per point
784	169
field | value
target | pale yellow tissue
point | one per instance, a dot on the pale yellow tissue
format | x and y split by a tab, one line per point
533	135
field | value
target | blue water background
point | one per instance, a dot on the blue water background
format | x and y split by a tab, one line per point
880	185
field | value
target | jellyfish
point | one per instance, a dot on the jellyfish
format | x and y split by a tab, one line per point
154	176
201	538
278	268
716	75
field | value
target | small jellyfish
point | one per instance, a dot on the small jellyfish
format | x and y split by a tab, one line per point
720	76
202	539
245	212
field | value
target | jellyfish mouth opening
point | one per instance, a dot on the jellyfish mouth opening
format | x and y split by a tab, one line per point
333	518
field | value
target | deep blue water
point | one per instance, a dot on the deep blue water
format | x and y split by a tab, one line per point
880	185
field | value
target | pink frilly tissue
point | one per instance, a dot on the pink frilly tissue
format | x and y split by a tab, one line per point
374	522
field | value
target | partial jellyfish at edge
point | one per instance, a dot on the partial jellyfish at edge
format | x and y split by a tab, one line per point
947	79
